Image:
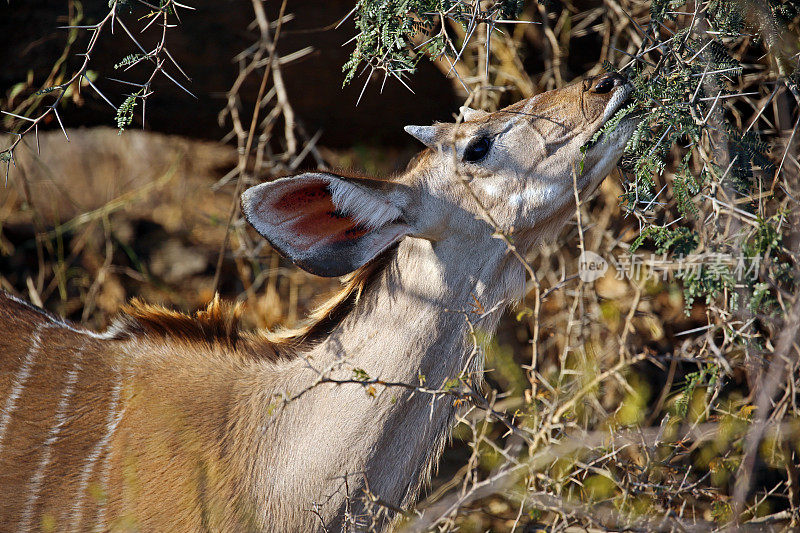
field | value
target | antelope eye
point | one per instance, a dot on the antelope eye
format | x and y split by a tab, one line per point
477	149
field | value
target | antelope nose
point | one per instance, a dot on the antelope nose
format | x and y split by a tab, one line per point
606	83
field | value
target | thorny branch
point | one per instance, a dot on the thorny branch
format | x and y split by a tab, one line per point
263	55
159	56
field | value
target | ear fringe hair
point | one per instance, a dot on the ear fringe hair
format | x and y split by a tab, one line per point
363	207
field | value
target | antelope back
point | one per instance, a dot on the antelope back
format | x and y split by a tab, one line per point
60	396
131	428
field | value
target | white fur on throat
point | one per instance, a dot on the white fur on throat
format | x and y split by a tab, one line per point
366	208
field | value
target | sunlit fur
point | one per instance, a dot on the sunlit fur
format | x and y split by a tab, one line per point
171	422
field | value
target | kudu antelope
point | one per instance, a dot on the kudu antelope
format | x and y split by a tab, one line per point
171	422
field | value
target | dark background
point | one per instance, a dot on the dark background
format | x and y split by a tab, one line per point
204	46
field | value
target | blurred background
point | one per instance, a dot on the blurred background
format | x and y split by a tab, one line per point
658	390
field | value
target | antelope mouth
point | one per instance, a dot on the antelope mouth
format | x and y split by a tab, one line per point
621	97
617	114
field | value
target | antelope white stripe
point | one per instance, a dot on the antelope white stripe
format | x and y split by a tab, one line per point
546	195
20	378
112	421
104	474
61	418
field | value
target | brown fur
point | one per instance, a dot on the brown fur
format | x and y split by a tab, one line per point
184	426
32	420
218	323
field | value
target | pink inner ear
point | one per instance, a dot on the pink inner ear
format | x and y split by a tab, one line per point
308	213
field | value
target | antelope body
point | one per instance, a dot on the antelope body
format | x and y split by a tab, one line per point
171	422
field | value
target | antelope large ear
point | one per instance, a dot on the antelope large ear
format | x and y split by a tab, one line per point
327	224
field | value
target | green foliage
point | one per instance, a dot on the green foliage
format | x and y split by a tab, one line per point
385	33
765	245
727	15
707	376
125	112
359	374
660	10
707	281
386	30
767	237
128	60
762	299
613	122
684	188
680	240
681	100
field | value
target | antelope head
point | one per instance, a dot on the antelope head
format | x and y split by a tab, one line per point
516	169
